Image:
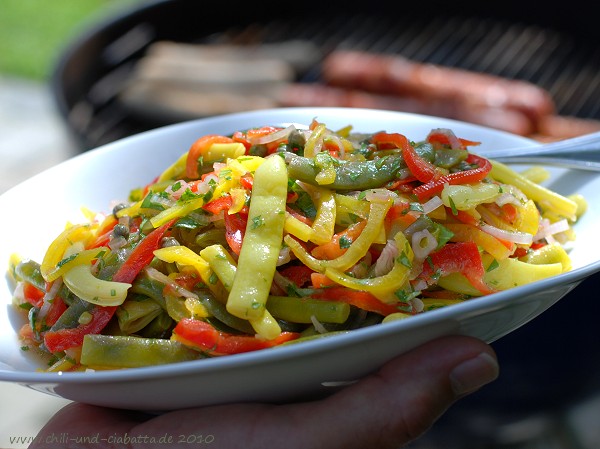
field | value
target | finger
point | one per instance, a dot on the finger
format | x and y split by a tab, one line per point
403	399
80	425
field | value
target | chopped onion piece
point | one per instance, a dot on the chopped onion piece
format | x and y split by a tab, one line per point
432	204
49	297
379	195
423	243
385	261
284	256
417	304
161	277
548	229
277	135
318	326
452	139
510	236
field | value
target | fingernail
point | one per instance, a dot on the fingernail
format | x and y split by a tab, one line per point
474	373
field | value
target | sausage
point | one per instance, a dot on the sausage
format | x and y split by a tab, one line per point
563	127
394	74
298	94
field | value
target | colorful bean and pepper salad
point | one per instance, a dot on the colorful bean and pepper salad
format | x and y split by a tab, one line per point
275	235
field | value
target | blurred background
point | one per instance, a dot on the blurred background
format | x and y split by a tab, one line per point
82	74
33	135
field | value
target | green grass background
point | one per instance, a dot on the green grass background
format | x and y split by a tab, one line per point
34	32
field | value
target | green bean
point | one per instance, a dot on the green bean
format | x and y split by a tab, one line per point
219	311
70	317
358	175
301	310
159	327
29	271
136	313
349	175
131	352
152	288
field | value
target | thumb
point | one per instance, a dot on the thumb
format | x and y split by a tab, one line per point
407	395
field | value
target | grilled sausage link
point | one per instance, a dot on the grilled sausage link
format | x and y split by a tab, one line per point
396	75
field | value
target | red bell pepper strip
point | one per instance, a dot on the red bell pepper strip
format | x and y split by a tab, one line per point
459	257
142	254
436	185
56	310
235	228
63	339
442	138
421	168
32	294
103	234
223	203
300	275
202	336
333	249
246	137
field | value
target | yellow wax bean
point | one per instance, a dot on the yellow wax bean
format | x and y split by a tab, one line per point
262	241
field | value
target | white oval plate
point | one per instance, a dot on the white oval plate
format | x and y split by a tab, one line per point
35	211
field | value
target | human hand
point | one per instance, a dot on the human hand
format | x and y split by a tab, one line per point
387	409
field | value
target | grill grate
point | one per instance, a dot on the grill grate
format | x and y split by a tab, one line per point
567	69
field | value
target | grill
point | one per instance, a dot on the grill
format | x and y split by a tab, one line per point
87	85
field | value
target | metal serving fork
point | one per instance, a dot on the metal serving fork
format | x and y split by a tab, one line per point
582	152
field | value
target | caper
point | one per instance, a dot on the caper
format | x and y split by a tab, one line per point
121	230
169	241
258	150
117	208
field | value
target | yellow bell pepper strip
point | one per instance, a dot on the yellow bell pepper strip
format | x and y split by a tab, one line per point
297	228
262	241
546	198
549	254
181	209
350	209
469	233
326	164
56	250
357	249
186	257
509	273
312	144
382	287
77	257
513	272
203	337
174	171
324	223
